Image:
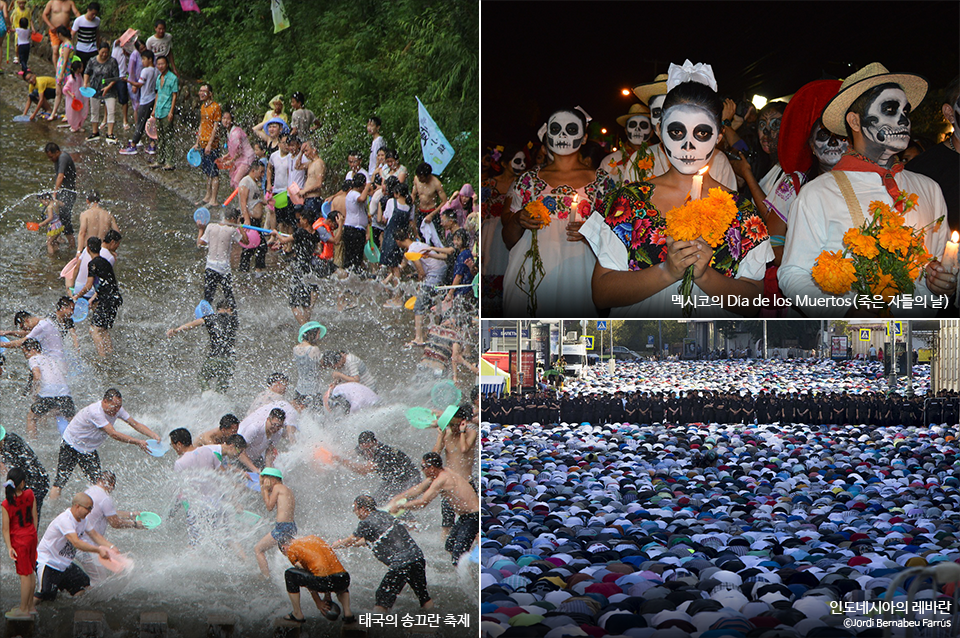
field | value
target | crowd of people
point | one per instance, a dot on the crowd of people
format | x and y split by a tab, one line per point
680	505
400	233
607	248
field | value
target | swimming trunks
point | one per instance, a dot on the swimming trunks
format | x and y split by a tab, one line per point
288	529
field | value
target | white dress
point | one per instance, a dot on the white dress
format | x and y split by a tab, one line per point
565	289
493	252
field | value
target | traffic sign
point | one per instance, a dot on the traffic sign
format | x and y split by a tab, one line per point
864	334
601	326
589	341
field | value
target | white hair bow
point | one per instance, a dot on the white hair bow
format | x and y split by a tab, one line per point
690	72
9	483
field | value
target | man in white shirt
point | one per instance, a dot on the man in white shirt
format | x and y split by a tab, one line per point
278	180
161	43
262	430
355	224
50	387
104	513
58	547
219	240
871	108
87	431
42	329
351	396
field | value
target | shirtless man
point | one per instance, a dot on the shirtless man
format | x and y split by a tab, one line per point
95	221
459	445
57	14
275	495
456	490
428	192
229	424
314	180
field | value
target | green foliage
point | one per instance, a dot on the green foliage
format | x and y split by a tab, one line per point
351	60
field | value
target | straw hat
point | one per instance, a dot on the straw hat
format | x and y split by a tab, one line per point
874	74
635	109
647	91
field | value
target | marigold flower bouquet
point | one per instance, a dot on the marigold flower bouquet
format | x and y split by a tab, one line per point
709	218
882	257
529	281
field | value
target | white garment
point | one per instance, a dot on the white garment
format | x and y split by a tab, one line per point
53	383
160	46
205	457
770	180
356	211
281	171
219	240
298	176
612	254
355	367
54	550
783	195
103	508
818	219
357	395
430	235
720	168
253	428
47	333
85	431
565	289
375	146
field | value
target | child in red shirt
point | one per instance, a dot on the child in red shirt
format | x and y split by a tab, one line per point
20	535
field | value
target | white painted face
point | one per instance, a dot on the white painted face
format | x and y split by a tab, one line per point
638	129
828	147
656	108
689	135
564	133
518	163
886	122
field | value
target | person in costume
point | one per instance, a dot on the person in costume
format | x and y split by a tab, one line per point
638	266
942	162
564	290
623	163
872	108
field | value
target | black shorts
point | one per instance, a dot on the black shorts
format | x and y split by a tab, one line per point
72	579
105	313
45	404
296	578
394	580
48	94
461	536
208	162
300	292
286	215
123	94
67	199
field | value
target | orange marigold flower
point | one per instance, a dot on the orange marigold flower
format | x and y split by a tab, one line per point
895	239
834	273
863	245
539	212
885	287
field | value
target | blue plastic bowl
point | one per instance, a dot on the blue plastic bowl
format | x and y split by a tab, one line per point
194	157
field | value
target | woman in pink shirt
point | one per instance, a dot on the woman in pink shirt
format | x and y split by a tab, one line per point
240	154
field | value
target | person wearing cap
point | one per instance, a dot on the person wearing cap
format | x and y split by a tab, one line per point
872	109
315	567
458	492
14	452
277	496
222	327
87	431
458	443
652	94
636	123
395	469
393	546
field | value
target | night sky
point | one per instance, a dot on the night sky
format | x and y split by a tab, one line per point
538	56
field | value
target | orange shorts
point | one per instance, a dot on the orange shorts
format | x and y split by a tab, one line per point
54	39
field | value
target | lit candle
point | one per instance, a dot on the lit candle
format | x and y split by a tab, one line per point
576	209
698	183
950	254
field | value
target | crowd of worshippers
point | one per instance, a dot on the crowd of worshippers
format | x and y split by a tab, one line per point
730	406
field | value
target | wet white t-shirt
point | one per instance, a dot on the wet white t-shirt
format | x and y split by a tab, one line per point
103	508
47	333
219	240
253	428
205	457
357	395
52	381
54	548
85	431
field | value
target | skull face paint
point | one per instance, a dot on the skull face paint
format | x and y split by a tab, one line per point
886	122
564	133
638	129
518	163
827	147
656	109
689	136
768	131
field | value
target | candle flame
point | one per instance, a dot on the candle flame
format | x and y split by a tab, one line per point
955	237
703	171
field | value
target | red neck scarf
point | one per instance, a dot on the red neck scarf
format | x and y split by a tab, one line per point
857	163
